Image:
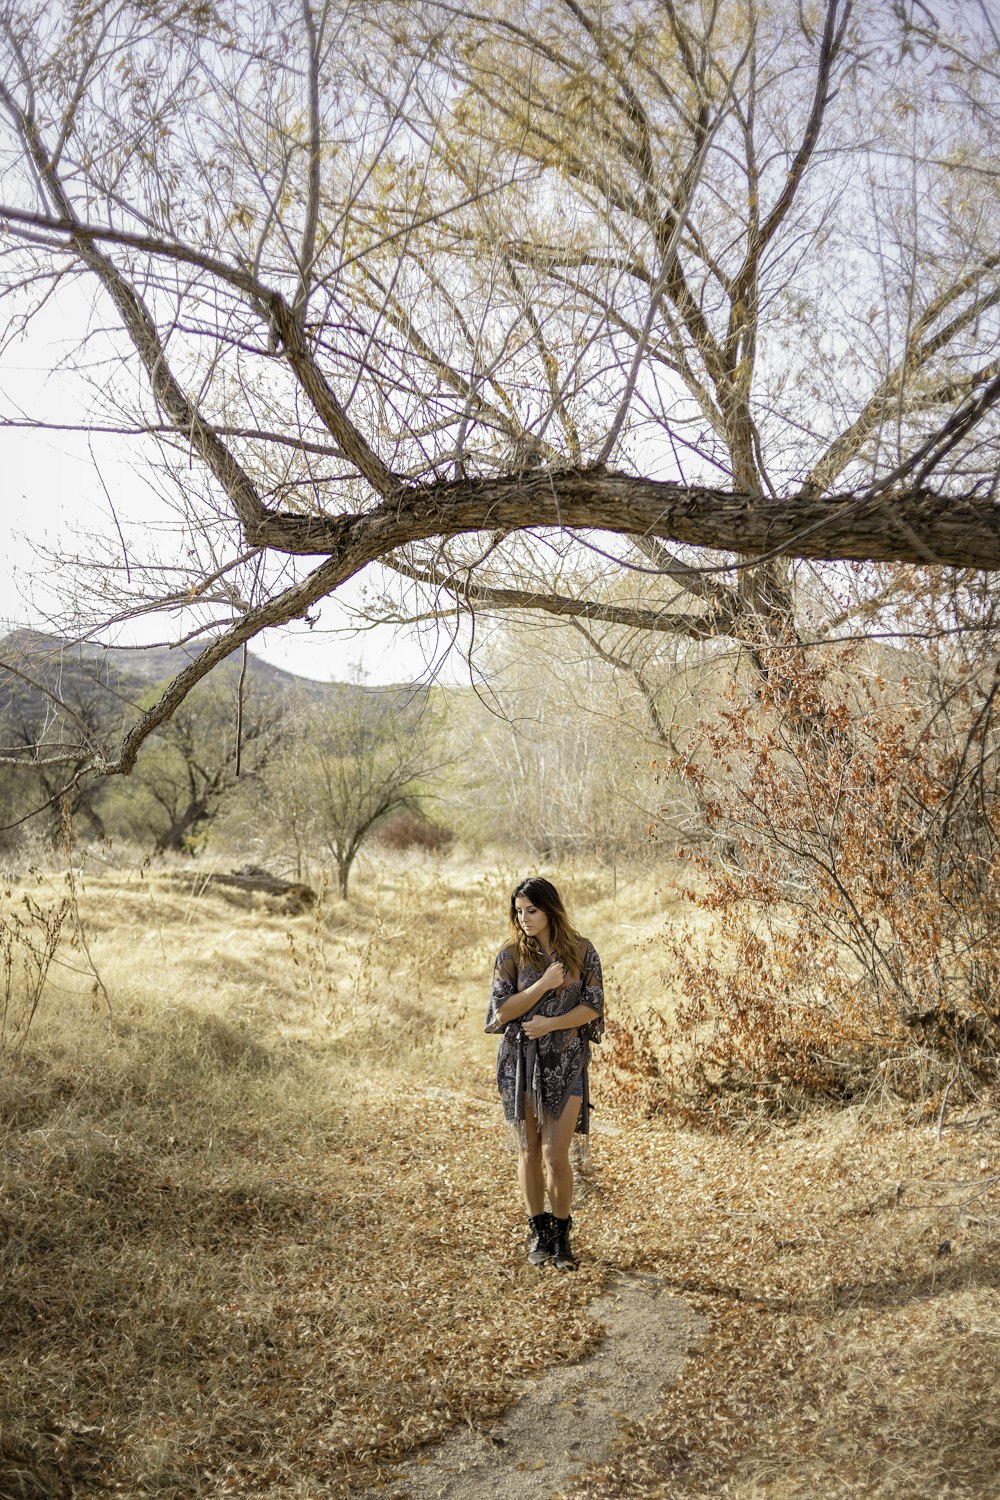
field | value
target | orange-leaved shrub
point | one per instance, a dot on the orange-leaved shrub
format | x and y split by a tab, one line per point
851	877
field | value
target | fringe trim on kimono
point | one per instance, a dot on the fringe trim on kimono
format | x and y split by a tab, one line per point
516	1130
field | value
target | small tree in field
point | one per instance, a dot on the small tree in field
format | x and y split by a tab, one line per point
366	757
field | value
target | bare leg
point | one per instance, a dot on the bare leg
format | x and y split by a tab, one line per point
529	1166
555	1160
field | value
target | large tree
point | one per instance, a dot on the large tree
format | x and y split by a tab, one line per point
457	288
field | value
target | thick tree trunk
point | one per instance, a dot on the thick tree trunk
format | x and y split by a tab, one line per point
176	839
910	525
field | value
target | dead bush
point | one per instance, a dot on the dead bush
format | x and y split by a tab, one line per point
411	830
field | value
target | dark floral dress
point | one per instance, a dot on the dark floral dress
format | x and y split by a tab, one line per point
548	1071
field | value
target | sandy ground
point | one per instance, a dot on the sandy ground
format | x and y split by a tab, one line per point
570	1417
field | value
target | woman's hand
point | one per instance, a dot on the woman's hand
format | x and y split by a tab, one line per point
538	1026
554	975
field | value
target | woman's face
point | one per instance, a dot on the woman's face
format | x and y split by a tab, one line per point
532	920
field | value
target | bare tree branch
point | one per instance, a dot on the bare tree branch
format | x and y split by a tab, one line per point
472	591
906	526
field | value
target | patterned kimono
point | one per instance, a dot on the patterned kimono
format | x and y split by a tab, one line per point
545	1072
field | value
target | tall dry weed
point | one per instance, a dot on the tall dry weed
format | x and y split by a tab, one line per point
31	931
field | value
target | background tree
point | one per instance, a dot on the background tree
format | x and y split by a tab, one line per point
355	762
40	740
220	739
558	748
57	706
54	692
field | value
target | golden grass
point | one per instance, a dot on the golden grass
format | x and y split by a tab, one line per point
259	1236
847	1267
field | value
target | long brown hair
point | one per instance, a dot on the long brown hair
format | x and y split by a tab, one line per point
566	943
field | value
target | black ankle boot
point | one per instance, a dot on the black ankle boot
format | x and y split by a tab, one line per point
561	1249
541	1239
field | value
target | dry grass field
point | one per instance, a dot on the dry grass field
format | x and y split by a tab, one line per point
258	1234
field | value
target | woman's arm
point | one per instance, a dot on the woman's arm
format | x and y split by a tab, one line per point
593	993
580	1015
516	1005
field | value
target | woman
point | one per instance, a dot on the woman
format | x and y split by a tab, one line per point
548	1002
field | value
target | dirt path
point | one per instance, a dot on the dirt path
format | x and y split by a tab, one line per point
569	1417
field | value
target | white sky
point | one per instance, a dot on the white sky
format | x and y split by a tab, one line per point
53	490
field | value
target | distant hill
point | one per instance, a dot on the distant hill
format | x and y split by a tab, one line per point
35	666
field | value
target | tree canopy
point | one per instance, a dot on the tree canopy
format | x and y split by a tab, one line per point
457	288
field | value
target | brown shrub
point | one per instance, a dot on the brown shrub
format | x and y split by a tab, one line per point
411	830
854	888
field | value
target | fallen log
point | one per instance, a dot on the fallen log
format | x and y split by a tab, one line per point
295	894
